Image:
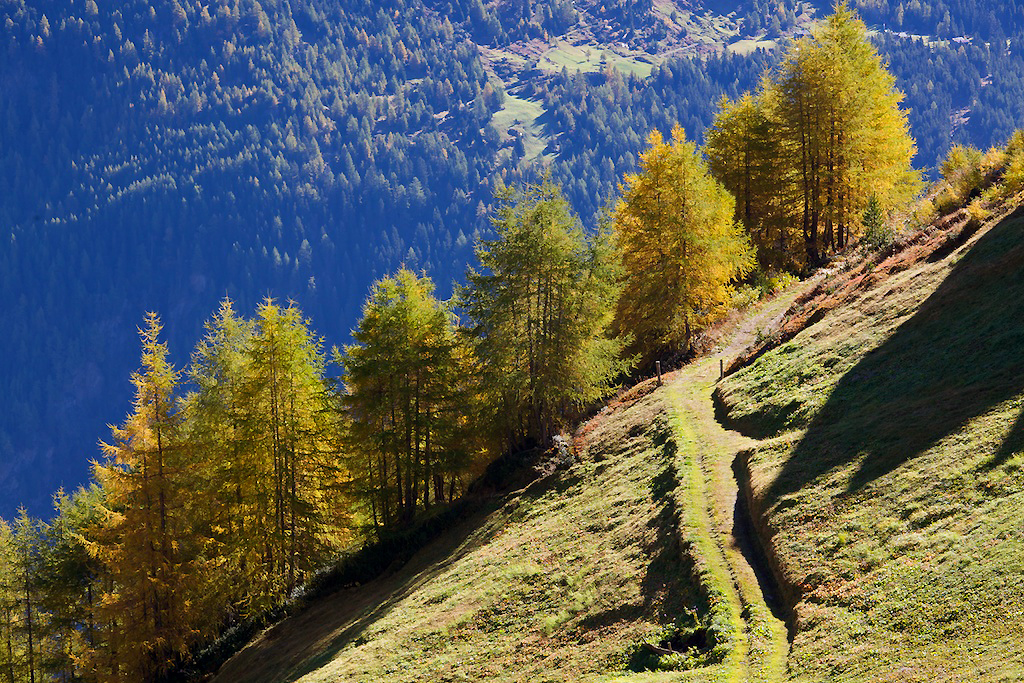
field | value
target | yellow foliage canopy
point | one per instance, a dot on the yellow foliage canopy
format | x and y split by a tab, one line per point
679	246
807	153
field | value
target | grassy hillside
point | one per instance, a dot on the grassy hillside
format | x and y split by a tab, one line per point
575	577
891	475
883	463
563	580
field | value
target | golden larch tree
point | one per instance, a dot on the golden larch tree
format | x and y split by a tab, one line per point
679	245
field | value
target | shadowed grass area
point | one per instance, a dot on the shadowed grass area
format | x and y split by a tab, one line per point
891	477
959	354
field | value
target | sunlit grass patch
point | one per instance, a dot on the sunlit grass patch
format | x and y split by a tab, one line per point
521	116
594	58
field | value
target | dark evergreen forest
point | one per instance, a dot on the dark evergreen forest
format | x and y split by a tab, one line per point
161	155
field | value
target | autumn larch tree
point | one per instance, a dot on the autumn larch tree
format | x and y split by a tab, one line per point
265	463
829	120
744	155
408	395
144	607
225	513
287	424
65	578
679	246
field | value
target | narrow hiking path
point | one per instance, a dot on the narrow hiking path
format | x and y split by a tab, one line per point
744	592
562	579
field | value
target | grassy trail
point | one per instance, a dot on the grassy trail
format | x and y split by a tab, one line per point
565	579
706	452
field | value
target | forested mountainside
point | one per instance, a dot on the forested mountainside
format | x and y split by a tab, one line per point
272	467
161	155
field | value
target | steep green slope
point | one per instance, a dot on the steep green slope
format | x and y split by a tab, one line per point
890	484
639	543
562	581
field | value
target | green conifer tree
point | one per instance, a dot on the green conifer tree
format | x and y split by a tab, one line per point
539	309
408	399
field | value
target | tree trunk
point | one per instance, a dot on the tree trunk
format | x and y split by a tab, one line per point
28	623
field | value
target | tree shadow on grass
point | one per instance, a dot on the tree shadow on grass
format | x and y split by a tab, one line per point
386	593
959	355
666	590
1013	443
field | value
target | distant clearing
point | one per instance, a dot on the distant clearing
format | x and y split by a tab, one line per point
594	58
521	116
745	47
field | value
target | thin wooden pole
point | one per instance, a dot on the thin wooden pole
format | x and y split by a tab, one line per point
721	368
657	364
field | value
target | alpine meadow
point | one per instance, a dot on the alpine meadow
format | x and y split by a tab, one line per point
531	340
